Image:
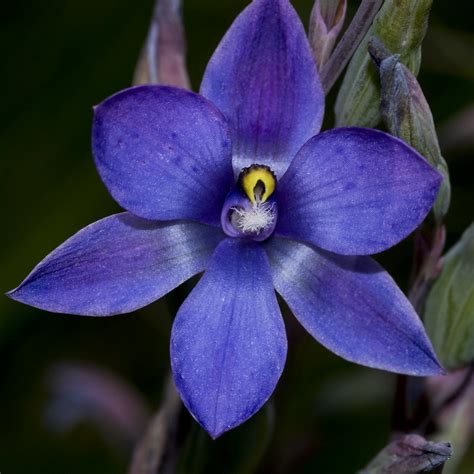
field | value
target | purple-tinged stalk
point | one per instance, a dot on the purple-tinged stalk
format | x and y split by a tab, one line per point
355	33
412	405
162	60
325	24
153	452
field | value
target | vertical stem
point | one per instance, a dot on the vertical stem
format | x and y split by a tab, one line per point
400	409
429	245
411	405
155	451
163	58
457	393
349	42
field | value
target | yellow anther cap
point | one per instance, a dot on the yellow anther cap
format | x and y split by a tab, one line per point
258	182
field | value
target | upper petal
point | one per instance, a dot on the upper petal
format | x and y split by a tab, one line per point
164	153
353	307
117	265
264	79
228	344
355	191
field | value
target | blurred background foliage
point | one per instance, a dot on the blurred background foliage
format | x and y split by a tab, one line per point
60	58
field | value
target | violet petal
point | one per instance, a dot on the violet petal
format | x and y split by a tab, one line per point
228	343
352	307
264	79
355	191
117	265
164	153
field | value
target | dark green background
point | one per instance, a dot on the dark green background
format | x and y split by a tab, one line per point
59	58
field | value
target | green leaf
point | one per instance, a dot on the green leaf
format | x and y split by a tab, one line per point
401	26
449	311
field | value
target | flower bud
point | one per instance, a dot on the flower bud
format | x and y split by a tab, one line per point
401	26
407	115
327	18
162	60
411	453
449	311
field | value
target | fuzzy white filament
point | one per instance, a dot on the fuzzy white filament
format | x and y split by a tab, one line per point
259	217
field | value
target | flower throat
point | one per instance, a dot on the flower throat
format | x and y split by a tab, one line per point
250	210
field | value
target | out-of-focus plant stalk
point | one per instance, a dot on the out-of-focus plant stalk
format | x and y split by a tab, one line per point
325	24
155	451
401	26
163	58
87	393
354	34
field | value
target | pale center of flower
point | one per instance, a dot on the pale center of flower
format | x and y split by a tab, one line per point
250	209
260	216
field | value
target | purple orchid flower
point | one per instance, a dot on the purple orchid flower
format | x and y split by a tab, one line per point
237	183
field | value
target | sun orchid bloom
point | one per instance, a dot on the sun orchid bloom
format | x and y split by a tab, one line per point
236	182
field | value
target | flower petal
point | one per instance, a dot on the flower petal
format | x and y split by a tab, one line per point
264	79
228	344
163	153
353	307
355	191
117	265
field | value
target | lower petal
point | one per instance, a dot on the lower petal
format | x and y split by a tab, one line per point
353	307
228	344
116	265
